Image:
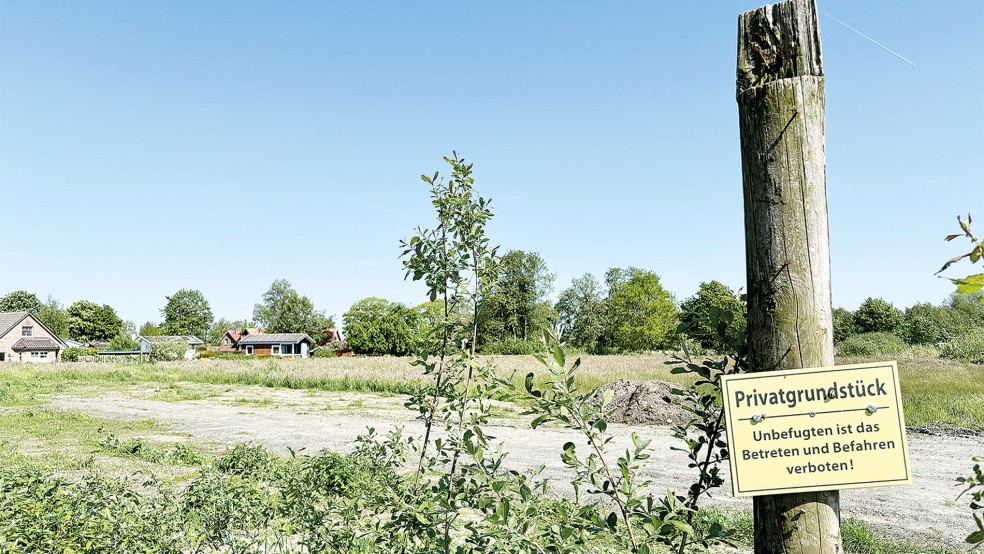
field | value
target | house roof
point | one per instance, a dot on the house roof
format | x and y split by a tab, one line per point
233	333
35	344
252	331
192	341
273	338
10	319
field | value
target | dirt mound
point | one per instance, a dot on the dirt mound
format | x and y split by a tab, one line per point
640	403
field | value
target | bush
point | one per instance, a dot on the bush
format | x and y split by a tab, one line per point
920	329
843	324
510	347
966	348
875	315
871	344
73	354
377	326
168	351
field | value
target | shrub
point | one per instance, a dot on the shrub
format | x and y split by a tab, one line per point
871	344
843	324
920	329
73	354
377	326
966	348
168	351
875	315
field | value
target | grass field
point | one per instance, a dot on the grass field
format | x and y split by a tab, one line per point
154	459
934	391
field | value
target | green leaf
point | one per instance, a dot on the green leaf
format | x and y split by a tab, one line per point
969	284
528	384
612	520
609	395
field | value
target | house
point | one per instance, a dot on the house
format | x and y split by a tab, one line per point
230	340
192	343
288	345
23	338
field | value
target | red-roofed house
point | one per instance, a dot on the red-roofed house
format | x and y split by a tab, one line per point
229	341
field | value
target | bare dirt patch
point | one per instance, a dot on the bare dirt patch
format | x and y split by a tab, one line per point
280	419
640	403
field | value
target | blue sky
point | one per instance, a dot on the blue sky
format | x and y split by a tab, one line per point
148	147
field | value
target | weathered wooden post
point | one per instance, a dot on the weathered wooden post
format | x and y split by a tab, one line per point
780	94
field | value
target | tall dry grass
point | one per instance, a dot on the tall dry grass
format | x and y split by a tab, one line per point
933	390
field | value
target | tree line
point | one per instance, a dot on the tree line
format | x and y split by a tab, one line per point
628	311
186	312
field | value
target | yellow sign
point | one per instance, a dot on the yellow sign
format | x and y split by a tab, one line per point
816	429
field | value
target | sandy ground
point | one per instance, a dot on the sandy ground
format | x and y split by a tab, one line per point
926	511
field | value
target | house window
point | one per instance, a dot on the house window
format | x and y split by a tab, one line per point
27	331
3	356
39	355
249	350
286	349
275	350
225	341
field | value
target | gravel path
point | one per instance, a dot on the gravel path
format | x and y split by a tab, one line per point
280	419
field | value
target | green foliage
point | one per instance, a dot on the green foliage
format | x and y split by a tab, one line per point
21	301
54	317
75	354
511	347
284	310
869	345
642	315
143	450
88	321
377	326
919	329
149	329
875	315
186	313
581	310
971	284
167	350
968	347
695	315
843	324
39	513
975	486
123	342
516	305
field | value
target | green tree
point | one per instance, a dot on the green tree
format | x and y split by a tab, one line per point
187	313
284	310
150	329
844	326
88	321
125	340
581	311
918	327
377	326
641	313
21	301
222	325
875	315
516	306
696	316
54	317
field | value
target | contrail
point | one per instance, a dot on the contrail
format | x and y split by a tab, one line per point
900	56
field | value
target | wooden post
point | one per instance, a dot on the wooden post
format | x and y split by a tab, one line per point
780	95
